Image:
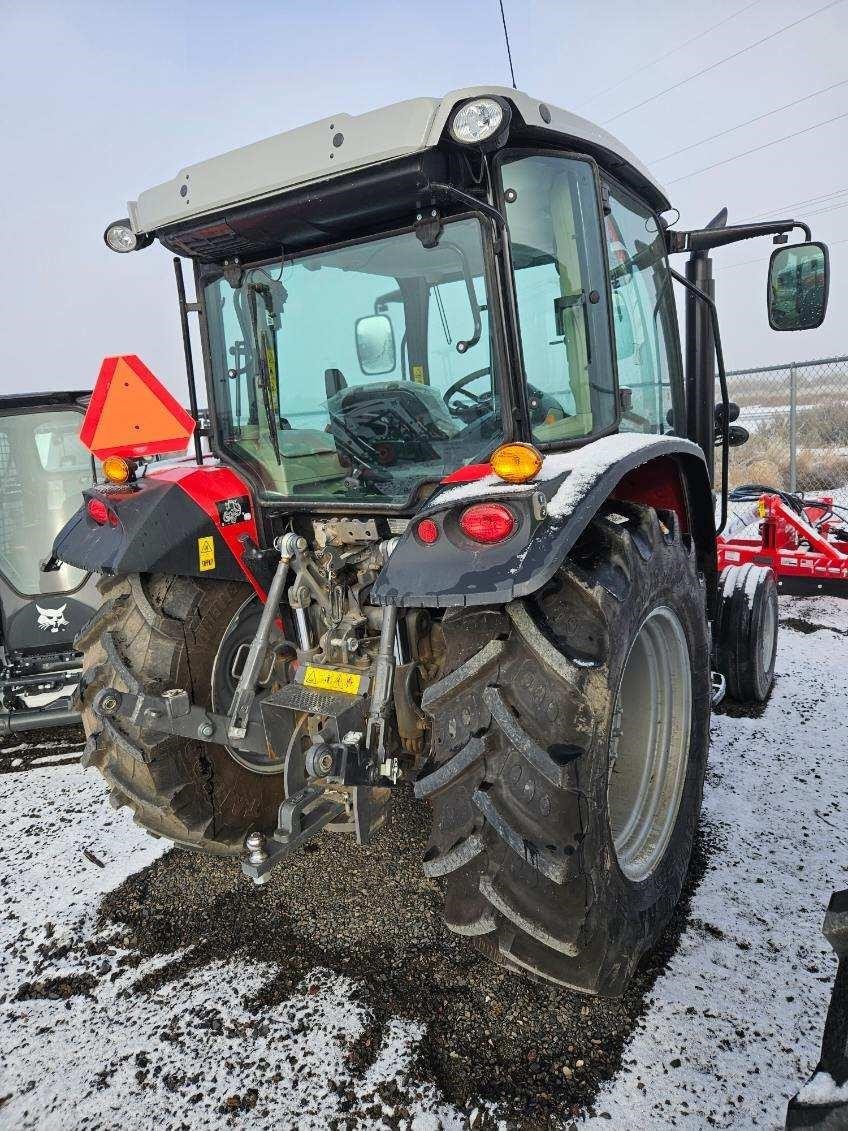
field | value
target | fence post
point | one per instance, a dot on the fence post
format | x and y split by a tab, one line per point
793	427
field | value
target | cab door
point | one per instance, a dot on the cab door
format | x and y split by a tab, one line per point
647	348
43	468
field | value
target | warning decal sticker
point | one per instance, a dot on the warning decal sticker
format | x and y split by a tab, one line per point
206	553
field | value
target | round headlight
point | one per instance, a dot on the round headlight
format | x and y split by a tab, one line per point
120	236
477	121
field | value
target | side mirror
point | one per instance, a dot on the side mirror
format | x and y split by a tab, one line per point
798	284
375	344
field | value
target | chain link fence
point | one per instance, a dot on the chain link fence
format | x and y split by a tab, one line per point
797	415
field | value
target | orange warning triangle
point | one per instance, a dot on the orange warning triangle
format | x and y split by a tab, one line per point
131	413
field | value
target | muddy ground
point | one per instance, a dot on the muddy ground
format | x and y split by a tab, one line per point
369	913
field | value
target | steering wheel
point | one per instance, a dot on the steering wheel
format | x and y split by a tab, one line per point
459	387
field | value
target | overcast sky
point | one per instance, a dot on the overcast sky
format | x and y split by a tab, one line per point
100	101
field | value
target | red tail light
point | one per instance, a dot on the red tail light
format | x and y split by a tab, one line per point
427	531
487	522
469	474
101	514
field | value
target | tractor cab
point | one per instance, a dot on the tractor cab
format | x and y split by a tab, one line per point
478	270
43	469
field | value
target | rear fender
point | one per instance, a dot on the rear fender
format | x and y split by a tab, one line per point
186	520
551	512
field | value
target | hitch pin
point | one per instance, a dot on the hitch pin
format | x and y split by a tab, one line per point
239	714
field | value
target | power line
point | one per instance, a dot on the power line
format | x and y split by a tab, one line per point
758	148
750	122
726	59
666	54
508	51
822	211
784	208
763	258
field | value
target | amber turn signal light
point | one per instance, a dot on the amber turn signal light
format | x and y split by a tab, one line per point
516	463
117	469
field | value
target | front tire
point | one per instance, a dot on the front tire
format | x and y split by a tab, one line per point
544	866
153	632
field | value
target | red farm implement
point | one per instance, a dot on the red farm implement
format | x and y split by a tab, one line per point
804	541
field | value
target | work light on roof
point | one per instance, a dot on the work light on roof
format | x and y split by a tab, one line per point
119	236
477	121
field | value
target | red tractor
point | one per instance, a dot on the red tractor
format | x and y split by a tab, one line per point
457	524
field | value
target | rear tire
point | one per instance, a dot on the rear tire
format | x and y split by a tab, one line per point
154	632
746	631
520	774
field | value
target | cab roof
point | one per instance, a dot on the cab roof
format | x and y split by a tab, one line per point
57	399
343	143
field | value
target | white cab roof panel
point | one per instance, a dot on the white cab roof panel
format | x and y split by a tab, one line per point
339	144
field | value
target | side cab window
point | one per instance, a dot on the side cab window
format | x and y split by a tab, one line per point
644	318
557	243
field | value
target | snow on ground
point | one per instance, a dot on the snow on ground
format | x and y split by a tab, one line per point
732	1026
735	1022
78	1051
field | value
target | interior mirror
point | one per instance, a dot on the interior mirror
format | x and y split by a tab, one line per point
798	282
625	343
375	344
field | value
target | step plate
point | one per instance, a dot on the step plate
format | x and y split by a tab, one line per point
295	697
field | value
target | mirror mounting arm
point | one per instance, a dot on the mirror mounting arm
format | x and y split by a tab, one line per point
705	239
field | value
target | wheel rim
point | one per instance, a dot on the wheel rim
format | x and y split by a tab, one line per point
225	671
649	744
768	638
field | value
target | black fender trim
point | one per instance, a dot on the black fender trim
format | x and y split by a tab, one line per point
551	513
159	529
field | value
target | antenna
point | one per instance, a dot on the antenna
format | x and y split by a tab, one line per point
508	51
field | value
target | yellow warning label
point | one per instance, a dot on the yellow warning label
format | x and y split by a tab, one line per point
418	374
206	553
329	680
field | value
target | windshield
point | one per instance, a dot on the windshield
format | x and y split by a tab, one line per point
359	373
43	469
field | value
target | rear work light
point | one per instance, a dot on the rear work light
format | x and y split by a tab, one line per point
101	514
487	522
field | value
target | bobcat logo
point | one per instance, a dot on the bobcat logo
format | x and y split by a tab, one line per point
51	620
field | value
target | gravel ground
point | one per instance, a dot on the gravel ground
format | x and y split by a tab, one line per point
370	914
144	985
